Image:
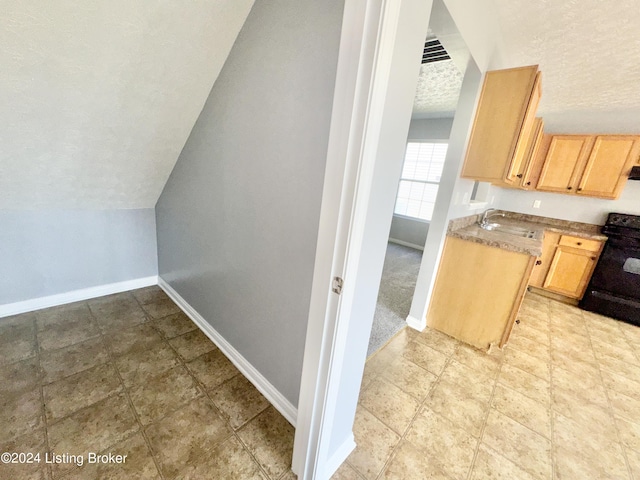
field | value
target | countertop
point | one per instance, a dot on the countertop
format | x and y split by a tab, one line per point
467	228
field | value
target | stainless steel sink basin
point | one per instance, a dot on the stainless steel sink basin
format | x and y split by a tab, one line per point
511	230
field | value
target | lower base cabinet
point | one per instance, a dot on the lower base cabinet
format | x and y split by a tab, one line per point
478	292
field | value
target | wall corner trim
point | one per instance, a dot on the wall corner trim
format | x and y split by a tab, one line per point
270	392
39	303
416	323
339	456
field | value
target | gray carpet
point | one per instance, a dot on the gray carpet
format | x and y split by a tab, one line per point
401	266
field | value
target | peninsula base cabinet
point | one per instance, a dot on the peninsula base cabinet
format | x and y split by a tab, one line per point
478	292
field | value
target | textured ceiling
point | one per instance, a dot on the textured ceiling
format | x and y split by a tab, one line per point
588	52
438	90
98	98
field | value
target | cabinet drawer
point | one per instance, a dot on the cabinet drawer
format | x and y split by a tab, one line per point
581	243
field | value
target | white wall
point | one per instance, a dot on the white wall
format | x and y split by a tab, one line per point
51	252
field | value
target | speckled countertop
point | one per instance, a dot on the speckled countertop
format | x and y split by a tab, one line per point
467	228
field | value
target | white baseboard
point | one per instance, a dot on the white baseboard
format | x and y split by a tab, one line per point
407	244
249	371
339	457
75	296
416	323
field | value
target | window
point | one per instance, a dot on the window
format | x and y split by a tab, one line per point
423	164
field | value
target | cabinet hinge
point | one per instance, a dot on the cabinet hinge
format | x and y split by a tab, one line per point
336	285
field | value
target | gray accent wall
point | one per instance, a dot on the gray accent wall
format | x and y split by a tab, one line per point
403	229
238	218
49	252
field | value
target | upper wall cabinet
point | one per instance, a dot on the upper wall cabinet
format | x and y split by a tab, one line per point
504	126
595	166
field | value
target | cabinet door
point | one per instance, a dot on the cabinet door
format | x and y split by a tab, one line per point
570	271
498	123
565	157
608	165
543	264
531	171
528	134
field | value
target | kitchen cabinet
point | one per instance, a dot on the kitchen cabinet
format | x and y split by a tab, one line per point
589	165
504	126
478	292
566	264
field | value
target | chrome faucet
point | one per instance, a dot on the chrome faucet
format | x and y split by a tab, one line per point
491	212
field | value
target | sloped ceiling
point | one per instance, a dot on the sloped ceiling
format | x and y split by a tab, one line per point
98	98
589	55
438	90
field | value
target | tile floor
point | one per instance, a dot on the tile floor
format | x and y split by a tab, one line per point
130	374
562	401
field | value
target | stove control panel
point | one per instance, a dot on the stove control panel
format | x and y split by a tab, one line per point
624	220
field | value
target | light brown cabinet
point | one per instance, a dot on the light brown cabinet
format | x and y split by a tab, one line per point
504	126
566	264
478	292
589	165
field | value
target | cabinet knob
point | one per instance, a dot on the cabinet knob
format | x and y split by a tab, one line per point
538	262
568	188
579	189
579	243
528	183
519	175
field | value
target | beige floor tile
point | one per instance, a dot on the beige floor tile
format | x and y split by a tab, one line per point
620	384
613	365
483	363
292	476
527	449
139	366
410	463
532	331
456	372
57	364
425	357
33	443
409	377
212	368
490	465
149	294
616	350
161	308
136	338
522	409
528	363
578	451
629	433
70	394
527	384
63	314
19	376
465	405
450	447
189	433
192	345
634	463
238	400
174	325
437	340
569	388
531	347
20	413
625	406
138	463
237	464
345	472
17	341
375	442
269	438
161	394
400	341
93	429
390	404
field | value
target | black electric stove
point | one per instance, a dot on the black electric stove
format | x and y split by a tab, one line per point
614	289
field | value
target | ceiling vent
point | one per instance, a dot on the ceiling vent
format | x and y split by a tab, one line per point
434	51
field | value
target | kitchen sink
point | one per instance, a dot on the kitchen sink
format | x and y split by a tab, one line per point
512	230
